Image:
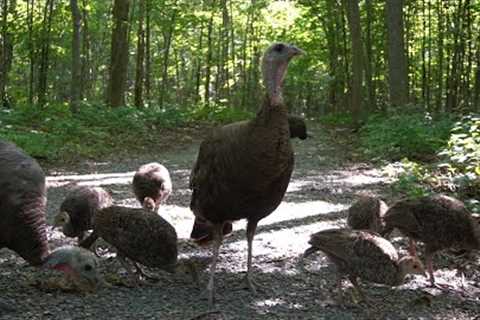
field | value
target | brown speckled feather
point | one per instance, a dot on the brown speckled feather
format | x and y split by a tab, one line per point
22	204
367	214
438	221
81	204
362	254
140	235
243	169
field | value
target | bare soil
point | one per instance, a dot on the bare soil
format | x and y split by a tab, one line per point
326	180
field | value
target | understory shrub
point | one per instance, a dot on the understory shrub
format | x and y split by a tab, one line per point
407	135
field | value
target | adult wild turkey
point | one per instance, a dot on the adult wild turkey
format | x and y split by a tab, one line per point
243	169
77	210
367	214
363	254
138	234
202	231
298	127
23	221
439	221
152	185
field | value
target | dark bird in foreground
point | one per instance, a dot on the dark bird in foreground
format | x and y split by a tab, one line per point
152	185
23	220
77	210
243	169
202	233
137	234
367	214
439	221
363	254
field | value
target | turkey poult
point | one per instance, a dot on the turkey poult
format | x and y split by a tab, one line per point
243	169
439	221
138	235
23	220
363	254
77	210
152	185
202	231
367	214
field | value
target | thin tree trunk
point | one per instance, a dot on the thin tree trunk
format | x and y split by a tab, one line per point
167	40
208	59
139	74
397	64
31	50
353	18
440	49
75	97
119	54
45	53
148	58
370	58
198	71
86	69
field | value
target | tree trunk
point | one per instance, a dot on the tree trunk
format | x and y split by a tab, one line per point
75	97
119	54
31	50
370	58
167	40
139	74
86	69
353	17
208	59
397	63
148	59
440	49
45	53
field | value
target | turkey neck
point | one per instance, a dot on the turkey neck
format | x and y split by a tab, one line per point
33	245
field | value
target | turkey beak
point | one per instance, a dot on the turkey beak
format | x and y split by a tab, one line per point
294	51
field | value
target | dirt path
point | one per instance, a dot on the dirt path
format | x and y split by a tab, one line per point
324	184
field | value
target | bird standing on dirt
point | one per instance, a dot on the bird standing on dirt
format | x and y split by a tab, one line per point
152	185
77	210
243	169
23	220
202	233
367	214
137	234
365	255
439	221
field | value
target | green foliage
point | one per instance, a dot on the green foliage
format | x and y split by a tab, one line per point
55	133
217	113
457	172
410	178
412	135
337	119
463	150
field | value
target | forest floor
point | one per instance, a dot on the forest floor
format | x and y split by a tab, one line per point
326	180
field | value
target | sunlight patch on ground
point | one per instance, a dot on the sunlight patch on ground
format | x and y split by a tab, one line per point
96	179
279	245
295	210
182	218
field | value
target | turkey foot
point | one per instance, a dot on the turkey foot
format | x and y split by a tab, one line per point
252	285
145	275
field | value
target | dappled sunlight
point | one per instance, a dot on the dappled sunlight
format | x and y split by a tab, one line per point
276	245
95	179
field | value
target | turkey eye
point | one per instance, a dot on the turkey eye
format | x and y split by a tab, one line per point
88	267
279	47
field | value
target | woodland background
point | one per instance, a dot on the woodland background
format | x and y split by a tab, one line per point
83	79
